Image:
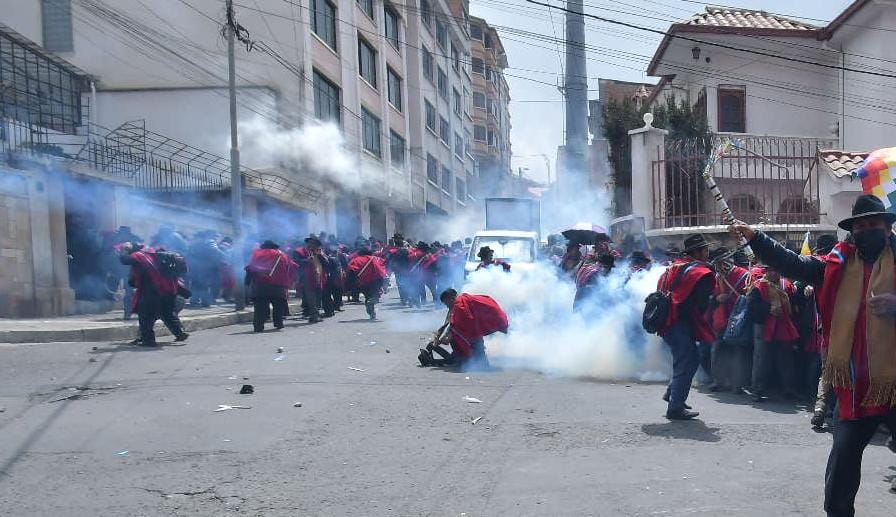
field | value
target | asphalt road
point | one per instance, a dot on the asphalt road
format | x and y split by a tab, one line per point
393	439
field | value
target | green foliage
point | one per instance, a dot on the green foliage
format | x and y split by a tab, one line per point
681	120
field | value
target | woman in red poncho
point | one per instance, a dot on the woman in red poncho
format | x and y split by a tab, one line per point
471	317
269	274
774	334
369	273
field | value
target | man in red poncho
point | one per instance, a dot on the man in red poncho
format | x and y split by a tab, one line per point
729	362
369	273
690	281
155	292
470	318
313	270
269	274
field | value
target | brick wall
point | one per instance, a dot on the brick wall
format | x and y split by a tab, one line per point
16	272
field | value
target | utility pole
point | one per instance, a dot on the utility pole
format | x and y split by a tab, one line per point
236	180
576	91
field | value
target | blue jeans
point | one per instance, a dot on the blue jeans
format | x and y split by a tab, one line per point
685	361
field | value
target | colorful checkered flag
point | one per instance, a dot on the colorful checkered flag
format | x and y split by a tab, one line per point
877	174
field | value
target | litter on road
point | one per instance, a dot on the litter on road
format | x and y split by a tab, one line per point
247	389
352	368
280	358
476	420
226	407
472	400
122	453
280	349
297	404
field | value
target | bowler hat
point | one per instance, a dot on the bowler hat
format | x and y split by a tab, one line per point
695	242
639	257
269	245
312	239
867	206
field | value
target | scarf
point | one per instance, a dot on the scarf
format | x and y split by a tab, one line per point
880	331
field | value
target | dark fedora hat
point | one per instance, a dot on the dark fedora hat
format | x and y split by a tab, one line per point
867	206
485	250
695	242
313	239
639	257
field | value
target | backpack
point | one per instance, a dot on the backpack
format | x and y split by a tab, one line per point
739	331
171	264
658	304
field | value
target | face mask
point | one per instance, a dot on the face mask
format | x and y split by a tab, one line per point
870	242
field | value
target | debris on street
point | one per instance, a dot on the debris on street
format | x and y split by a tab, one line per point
226	407
352	368
471	400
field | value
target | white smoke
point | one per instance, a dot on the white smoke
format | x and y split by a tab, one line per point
547	336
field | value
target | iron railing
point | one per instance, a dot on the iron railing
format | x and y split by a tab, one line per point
766	179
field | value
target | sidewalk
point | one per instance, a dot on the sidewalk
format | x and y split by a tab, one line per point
111	327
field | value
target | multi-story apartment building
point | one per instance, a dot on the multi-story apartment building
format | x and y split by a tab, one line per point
394	77
491	113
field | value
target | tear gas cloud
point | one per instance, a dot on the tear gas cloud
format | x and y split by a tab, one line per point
603	341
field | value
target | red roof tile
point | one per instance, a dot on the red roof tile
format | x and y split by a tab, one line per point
747	19
842	163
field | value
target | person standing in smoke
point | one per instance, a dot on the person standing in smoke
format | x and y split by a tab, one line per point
370	274
487	260
417	256
587	280
269	274
572	259
155	294
168	238
312	264
470	318
332	296
228	276
856	285
118	272
206	259
690	281
729	361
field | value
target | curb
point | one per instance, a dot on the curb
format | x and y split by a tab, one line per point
125	332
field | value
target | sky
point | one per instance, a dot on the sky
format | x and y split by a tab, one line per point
530	35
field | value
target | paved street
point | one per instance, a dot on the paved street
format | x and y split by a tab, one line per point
392	439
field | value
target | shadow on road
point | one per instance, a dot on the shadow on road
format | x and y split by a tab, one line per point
696	430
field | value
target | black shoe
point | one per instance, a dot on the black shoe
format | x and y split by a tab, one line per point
425	358
892	446
278	326
258	330
666	399
182	336
682	415
818	419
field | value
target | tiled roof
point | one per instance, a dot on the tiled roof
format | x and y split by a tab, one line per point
746	19
842	163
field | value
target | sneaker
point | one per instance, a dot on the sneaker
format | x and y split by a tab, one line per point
182	336
684	414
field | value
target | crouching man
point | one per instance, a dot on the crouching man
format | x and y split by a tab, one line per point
470	318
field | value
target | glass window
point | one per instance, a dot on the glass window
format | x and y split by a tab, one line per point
479	133
367	7
327	99
488	41
444	130
478	66
460	189
430	116
394	88
476	32
432	169
479	100
506	248
446	179
491	138
367	61
732	109
442	34
370	129
426	13
428	67
455	57
467	100
323	21
396	149
458	145
392	26
443	84
56	18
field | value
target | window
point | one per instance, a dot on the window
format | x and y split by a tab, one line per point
446	179
396	149
459	145
488	41
445	131
367	7
467	139
491	138
478	66
323	21
460	189
426	13
466	100
455	57
394	84
732	109
430	116
367	61
432	169
370	129
442	35
392	27
458	105
56	17
327	99
479	133
476	32
479	100
428	68
443	84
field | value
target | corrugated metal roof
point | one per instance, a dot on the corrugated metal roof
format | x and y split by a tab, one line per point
747	19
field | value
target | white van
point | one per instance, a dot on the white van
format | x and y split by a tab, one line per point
519	249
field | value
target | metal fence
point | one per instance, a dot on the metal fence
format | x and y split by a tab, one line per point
767	179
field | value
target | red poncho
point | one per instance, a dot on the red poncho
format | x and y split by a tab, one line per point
146	262
473	317
272	267
738	278
778	328
368	268
684	286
